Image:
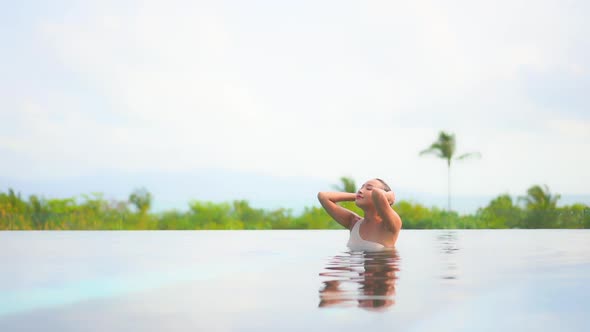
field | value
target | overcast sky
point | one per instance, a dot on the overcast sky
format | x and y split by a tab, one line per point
317	89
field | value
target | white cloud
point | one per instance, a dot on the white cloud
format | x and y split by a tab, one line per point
290	91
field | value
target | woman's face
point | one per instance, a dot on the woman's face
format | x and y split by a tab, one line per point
363	195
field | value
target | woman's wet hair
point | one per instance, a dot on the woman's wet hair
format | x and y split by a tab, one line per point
385	185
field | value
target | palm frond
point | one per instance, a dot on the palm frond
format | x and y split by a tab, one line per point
347	184
434	149
469	155
540	198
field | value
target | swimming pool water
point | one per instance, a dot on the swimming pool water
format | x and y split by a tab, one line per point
467	280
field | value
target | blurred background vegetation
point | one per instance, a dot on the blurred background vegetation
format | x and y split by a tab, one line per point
537	208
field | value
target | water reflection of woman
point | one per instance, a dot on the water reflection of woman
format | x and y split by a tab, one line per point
362	279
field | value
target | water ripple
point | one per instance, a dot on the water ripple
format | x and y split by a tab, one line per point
361	279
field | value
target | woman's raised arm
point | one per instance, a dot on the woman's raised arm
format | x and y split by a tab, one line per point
343	216
383	201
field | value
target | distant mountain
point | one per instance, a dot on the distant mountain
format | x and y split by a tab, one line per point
175	190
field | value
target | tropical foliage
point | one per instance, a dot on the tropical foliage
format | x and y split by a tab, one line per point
537	209
347	185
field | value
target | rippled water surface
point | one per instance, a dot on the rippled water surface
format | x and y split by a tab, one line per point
484	280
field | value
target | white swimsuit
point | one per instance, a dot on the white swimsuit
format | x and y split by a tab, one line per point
357	243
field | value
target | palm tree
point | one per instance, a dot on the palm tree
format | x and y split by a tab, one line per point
541	206
444	148
347	185
540	198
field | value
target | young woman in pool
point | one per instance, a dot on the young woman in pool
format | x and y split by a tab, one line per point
380	226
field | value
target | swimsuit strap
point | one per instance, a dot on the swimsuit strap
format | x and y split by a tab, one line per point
356	242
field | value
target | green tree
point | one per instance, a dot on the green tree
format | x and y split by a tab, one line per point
347	185
315	218
541	207
415	215
444	148
141	199
573	216
210	215
38	210
501	212
12	208
250	218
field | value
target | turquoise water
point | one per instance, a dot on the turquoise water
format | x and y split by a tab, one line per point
480	280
